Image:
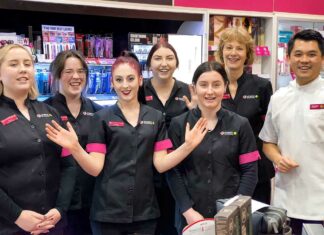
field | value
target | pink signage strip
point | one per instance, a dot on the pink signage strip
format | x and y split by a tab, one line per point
300	6
242	5
296	6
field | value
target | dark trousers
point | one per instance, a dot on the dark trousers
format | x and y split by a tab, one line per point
146	227
297	225
165	224
262	192
78	222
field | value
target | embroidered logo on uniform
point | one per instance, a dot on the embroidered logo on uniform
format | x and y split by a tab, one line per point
248	97
232	133
88	114
9	119
116	124
147	123
64	118
226	96
149	98
179	98
316	106
44	115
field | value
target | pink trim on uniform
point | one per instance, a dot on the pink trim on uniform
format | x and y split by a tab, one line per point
65	152
162	145
249	157
98	148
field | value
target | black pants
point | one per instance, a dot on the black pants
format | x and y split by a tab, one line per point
262	192
297	225
165	225
146	227
78	222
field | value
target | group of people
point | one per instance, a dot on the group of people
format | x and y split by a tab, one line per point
160	157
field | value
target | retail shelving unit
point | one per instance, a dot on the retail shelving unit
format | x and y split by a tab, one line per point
285	23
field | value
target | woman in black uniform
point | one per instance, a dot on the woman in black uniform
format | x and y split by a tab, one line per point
126	140
36	182
224	164
248	95
170	96
70	74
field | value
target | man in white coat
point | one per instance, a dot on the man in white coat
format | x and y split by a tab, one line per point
293	133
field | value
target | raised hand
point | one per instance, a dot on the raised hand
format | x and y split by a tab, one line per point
65	138
194	136
194	99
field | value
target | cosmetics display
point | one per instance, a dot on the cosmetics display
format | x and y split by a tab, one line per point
286	29
57	39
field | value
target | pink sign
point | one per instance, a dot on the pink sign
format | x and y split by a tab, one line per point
300	6
243	5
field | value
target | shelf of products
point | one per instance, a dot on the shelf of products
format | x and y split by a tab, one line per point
287	27
259	26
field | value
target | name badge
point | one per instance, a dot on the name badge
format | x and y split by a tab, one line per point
64	118
9	119
121	124
226	96
316	106
149	98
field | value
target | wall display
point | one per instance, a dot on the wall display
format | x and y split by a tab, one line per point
254	25
286	29
56	39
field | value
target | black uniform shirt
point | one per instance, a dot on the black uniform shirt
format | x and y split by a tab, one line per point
33	175
173	107
251	101
124	190
81	124
223	165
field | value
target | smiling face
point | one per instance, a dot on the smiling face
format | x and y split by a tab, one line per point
235	55
210	88
73	78
306	61
163	63
17	73
126	82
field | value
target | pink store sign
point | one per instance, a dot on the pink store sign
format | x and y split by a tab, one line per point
300	6
291	6
243	5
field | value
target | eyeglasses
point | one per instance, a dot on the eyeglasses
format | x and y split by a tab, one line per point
70	72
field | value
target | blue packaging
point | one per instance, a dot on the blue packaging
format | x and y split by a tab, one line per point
46	87
105	81
92	81
39	81
98	87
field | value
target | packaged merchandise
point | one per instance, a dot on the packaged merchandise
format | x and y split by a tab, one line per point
227	221
245	217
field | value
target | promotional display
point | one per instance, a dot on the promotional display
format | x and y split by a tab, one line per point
141	44
57	39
